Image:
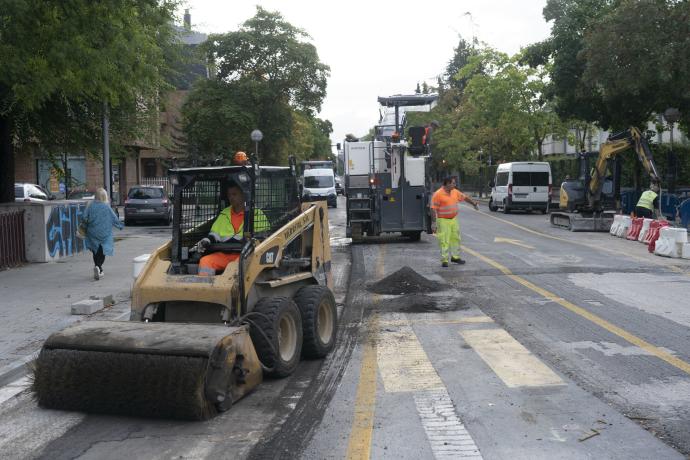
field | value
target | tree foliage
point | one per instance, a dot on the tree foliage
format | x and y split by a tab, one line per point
636	60
63	59
267	77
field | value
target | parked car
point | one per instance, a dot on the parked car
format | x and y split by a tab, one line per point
81	195
24	191
339	190
522	185
147	203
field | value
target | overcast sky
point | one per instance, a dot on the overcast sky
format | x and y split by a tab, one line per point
379	48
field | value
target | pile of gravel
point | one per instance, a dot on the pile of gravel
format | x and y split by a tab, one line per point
405	281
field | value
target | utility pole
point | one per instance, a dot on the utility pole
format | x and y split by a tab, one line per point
106	152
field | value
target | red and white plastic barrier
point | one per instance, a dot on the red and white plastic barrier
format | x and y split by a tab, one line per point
653	233
635	228
671	241
645	228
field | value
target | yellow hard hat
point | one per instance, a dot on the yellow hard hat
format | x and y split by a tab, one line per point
240	158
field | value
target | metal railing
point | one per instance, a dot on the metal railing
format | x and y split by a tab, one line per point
162	181
12	251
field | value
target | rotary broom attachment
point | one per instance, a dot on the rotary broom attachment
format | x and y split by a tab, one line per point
183	371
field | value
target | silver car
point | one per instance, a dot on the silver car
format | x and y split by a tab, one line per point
148	203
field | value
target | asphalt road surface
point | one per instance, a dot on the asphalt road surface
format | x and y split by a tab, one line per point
545	344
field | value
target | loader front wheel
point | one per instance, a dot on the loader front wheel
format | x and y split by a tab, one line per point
277	335
319	320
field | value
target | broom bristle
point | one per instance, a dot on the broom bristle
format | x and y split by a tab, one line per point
122	383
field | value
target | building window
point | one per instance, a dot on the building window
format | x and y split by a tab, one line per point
150	167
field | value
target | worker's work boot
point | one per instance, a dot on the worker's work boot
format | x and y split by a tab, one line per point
444	264
457	260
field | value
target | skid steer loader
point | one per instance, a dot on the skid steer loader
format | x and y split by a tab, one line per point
196	344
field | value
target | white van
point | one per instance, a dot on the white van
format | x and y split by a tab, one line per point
521	185
319	184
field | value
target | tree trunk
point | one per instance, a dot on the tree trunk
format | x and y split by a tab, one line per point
6	161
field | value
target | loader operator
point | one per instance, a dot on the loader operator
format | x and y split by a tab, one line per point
229	225
648	203
444	212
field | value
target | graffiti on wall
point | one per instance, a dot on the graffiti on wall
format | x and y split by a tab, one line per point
61	229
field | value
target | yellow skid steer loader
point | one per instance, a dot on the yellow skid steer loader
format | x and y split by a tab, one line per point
196	341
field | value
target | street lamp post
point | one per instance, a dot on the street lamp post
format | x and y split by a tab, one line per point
256	137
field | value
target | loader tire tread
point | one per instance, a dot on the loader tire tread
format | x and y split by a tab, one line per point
309	299
271	309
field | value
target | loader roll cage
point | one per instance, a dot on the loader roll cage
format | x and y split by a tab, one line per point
199	197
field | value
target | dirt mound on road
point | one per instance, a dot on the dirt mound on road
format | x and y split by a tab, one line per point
405	281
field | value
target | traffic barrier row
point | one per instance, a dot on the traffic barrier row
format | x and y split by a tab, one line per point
660	238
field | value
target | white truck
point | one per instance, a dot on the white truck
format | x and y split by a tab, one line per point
386	180
524	185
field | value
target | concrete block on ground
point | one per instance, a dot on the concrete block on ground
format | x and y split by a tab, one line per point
87	306
107	300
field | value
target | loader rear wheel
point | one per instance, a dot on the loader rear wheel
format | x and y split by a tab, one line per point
319	320
277	335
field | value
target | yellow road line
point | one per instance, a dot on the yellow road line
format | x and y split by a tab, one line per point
612	328
591	246
359	445
510	361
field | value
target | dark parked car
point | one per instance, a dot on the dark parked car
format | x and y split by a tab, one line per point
147	202
81	195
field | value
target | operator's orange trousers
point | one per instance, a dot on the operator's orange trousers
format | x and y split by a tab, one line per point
216	261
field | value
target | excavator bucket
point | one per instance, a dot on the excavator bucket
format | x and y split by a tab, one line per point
183	371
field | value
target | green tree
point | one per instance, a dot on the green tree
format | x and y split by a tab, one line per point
562	50
265	72
636	60
63	59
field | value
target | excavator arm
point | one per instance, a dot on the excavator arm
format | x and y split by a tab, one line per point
618	143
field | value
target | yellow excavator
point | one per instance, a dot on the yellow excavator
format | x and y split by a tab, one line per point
582	204
196	344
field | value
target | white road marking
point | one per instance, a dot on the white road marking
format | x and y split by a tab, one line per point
511	362
405	367
12	389
444	430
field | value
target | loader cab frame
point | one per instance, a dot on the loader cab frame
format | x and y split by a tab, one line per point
200	195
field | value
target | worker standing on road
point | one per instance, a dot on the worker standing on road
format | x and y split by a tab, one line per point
240	159
648	203
99	220
444	212
229	226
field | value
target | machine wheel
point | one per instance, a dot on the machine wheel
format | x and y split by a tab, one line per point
492	206
128	222
277	335
506	209
319	320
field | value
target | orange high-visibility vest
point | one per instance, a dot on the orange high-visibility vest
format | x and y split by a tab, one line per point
446	204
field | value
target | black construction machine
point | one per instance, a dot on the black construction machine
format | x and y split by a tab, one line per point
588	203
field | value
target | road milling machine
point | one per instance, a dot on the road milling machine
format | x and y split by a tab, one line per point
588	203
387	180
196	344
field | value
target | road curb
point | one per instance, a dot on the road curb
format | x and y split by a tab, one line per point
17	369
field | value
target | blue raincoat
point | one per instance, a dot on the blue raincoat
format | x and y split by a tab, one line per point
99	231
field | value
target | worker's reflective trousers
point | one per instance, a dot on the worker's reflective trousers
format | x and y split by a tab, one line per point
448	235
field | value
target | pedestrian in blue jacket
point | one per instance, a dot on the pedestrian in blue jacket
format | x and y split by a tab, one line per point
100	220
